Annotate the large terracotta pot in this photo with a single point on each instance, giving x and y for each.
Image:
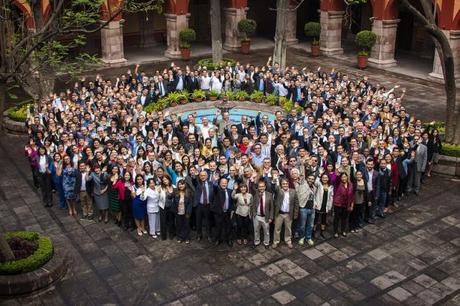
(185, 52)
(362, 61)
(212, 98)
(315, 50)
(245, 46)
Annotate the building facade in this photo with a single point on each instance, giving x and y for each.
(397, 30)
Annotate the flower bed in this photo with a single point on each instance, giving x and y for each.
(41, 255)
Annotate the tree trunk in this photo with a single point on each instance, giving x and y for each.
(279, 53)
(3, 88)
(216, 31)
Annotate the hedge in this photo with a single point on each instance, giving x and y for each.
(40, 257)
(450, 150)
(210, 65)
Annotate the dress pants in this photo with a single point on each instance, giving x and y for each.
(340, 218)
(259, 222)
(183, 227)
(86, 204)
(202, 219)
(242, 226)
(223, 227)
(46, 188)
(279, 221)
(154, 223)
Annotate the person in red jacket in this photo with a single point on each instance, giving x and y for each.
(343, 204)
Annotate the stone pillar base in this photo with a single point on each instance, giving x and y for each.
(291, 26)
(454, 41)
(382, 63)
(383, 53)
(331, 32)
(112, 44)
(114, 63)
(232, 35)
(292, 41)
(174, 24)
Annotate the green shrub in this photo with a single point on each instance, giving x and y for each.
(186, 36)
(450, 150)
(198, 94)
(271, 99)
(41, 256)
(213, 93)
(241, 95)
(257, 96)
(19, 112)
(183, 95)
(286, 104)
(313, 29)
(161, 104)
(231, 95)
(209, 64)
(365, 40)
(248, 27)
(437, 125)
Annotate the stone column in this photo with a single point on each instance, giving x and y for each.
(232, 36)
(291, 26)
(383, 52)
(112, 43)
(174, 24)
(331, 32)
(454, 40)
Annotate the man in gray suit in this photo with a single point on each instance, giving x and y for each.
(286, 210)
(262, 212)
(419, 157)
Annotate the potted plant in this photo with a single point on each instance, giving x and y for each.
(228, 95)
(313, 29)
(183, 97)
(198, 95)
(213, 95)
(247, 27)
(241, 95)
(271, 99)
(365, 40)
(173, 98)
(257, 96)
(186, 36)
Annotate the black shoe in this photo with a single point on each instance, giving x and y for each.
(217, 242)
(230, 243)
(199, 238)
(266, 247)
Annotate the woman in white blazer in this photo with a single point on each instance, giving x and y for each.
(152, 195)
(322, 202)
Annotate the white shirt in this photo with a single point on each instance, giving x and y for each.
(205, 82)
(153, 200)
(42, 164)
(264, 204)
(285, 205)
(369, 181)
(83, 181)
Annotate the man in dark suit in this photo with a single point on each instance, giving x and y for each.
(371, 178)
(203, 198)
(223, 207)
(262, 210)
(286, 209)
(191, 82)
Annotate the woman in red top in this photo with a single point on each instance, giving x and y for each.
(343, 204)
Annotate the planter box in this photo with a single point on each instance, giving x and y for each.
(448, 165)
(13, 127)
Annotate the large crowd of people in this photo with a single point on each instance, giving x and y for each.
(345, 155)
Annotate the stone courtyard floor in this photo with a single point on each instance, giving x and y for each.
(411, 258)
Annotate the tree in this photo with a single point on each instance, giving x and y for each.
(216, 31)
(279, 52)
(37, 47)
(427, 17)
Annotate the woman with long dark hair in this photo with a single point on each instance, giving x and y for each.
(153, 209)
(139, 204)
(100, 180)
(183, 210)
(69, 178)
(343, 204)
(126, 207)
(323, 203)
(167, 215)
(244, 203)
(360, 200)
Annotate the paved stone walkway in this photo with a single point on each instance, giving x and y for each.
(410, 258)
